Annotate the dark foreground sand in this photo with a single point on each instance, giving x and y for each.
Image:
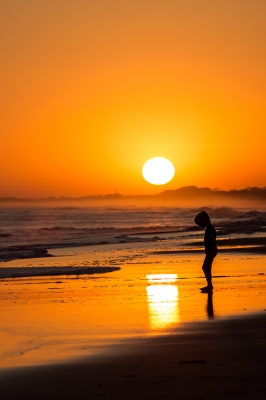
(217, 359)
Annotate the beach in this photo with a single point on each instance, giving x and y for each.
(225, 359)
(123, 315)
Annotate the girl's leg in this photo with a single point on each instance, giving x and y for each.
(207, 269)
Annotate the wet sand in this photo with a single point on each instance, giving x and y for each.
(144, 330)
(50, 319)
(223, 359)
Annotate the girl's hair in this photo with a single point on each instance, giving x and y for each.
(202, 216)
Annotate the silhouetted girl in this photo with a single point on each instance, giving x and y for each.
(203, 221)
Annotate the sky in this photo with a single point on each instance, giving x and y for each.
(92, 89)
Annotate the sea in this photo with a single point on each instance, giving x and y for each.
(36, 229)
(25, 225)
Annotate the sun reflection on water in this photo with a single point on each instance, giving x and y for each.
(162, 293)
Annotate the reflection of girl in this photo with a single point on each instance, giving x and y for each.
(203, 221)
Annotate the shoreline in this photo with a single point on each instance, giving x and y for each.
(232, 245)
(131, 332)
(36, 272)
(49, 319)
(24, 252)
(224, 358)
(249, 249)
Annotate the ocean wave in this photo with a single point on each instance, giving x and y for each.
(46, 226)
(115, 230)
(225, 212)
(10, 273)
(72, 228)
(253, 214)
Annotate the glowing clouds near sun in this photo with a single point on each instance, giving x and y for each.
(158, 171)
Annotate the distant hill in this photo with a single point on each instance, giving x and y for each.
(251, 194)
(185, 196)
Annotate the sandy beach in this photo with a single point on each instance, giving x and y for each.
(49, 319)
(139, 331)
(223, 359)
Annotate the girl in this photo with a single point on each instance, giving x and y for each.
(203, 221)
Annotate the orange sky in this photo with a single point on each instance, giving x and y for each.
(93, 89)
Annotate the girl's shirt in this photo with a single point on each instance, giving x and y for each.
(210, 240)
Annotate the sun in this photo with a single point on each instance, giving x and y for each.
(158, 171)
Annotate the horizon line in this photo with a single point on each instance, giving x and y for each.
(248, 189)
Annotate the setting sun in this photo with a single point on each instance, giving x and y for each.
(158, 171)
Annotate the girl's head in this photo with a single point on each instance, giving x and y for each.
(202, 219)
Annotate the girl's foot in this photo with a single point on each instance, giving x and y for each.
(207, 289)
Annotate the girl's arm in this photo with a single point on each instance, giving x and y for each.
(214, 246)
